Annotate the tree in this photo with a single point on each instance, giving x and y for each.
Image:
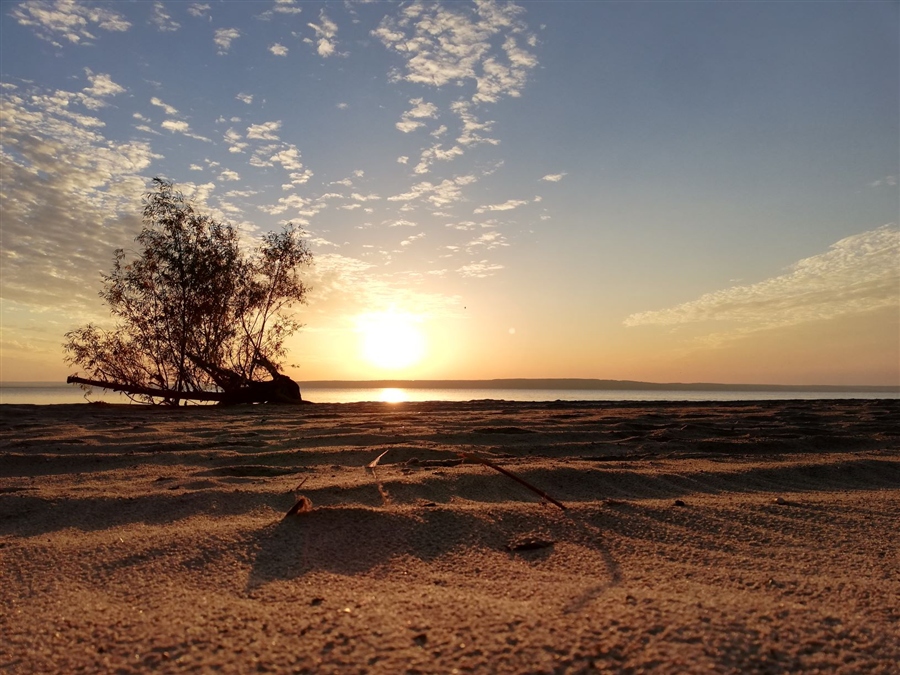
(195, 312)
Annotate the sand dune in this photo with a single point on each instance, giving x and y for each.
(724, 537)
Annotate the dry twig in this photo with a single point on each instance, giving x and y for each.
(385, 497)
(496, 467)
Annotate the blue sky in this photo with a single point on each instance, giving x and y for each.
(663, 191)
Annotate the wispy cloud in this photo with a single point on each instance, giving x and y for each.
(224, 37)
(442, 194)
(67, 19)
(326, 31)
(857, 274)
(488, 241)
(479, 269)
(436, 153)
(412, 238)
(198, 9)
(176, 125)
(162, 19)
(554, 177)
(890, 181)
(421, 109)
(485, 46)
(472, 129)
(265, 131)
(170, 110)
(62, 172)
(182, 127)
(281, 7)
(505, 206)
(278, 49)
(101, 86)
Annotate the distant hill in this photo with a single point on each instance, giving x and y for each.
(586, 384)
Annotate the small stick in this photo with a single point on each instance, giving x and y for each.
(496, 467)
(385, 497)
(374, 462)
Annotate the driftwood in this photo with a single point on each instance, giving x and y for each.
(235, 389)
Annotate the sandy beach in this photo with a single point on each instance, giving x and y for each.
(756, 537)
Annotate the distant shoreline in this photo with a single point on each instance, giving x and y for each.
(586, 384)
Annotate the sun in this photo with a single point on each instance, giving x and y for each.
(391, 340)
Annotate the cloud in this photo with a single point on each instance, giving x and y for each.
(471, 127)
(198, 9)
(228, 174)
(278, 49)
(442, 194)
(344, 286)
(554, 177)
(182, 127)
(409, 240)
(857, 274)
(245, 98)
(488, 240)
(235, 141)
(162, 20)
(288, 157)
(403, 159)
(484, 46)
(505, 206)
(176, 125)
(295, 202)
(890, 181)
(420, 110)
(480, 269)
(67, 19)
(265, 131)
(285, 154)
(70, 195)
(281, 7)
(343, 106)
(326, 31)
(102, 85)
(298, 178)
(224, 37)
(165, 106)
(436, 153)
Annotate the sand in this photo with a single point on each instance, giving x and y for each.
(699, 537)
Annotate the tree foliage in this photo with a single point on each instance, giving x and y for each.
(192, 307)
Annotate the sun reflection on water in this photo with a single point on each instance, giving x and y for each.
(392, 395)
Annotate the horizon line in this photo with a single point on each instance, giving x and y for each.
(560, 383)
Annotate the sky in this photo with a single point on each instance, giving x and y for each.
(659, 191)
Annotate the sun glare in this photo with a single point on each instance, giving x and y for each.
(392, 395)
(391, 340)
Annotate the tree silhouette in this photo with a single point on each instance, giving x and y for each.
(195, 312)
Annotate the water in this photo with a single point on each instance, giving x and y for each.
(44, 393)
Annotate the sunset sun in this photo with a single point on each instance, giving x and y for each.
(391, 340)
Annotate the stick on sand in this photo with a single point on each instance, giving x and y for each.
(496, 467)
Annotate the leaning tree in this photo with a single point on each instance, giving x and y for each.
(197, 315)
